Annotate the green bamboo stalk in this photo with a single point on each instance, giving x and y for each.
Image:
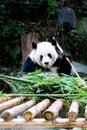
(15, 78)
(44, 95)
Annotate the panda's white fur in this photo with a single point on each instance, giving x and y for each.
(45, 57)
(48, 53)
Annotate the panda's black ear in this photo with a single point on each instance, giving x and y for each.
(53, 42)
(34, 45)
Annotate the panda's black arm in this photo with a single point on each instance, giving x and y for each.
(63, 65)
(66, 67)
(66, 54)
(28, 65)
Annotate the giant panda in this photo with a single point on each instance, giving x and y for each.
(45, 57)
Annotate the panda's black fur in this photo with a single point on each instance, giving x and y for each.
(61, 65)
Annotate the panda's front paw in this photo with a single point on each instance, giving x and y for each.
(66, 54)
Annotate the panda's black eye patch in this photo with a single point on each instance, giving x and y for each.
(41, 57)
(49, 55)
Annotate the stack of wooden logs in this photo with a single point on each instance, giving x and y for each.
(21, 112)
(29, 108)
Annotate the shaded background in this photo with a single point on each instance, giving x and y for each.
(40, 16)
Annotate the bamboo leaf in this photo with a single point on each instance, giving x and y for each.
(67, 87)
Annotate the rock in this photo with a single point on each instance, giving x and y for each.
(79, 67)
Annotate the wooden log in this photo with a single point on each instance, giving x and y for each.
(4, 99)
(73, 111)
(11, 103)
(53, 111)
(40, 123)
(35, 110)
(17, 110)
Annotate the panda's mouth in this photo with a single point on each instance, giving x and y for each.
(46, 65)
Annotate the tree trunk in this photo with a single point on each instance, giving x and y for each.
(26, 41)
(86, 112)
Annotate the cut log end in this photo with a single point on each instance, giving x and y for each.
(27, 115)
(6, 116)
(72, 116)
(48, 115)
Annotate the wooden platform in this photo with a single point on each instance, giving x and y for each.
(20, 122)
(42, 123)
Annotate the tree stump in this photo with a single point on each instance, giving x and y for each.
(26, 41)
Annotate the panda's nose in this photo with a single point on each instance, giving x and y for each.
(46, 63)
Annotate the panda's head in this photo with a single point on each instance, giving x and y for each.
(44, 53)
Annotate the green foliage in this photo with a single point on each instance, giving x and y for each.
(52, 5)
(21, 17)
(11, 40)
(2, 9)
(67, 87)
(82, 26)
(15, 20)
